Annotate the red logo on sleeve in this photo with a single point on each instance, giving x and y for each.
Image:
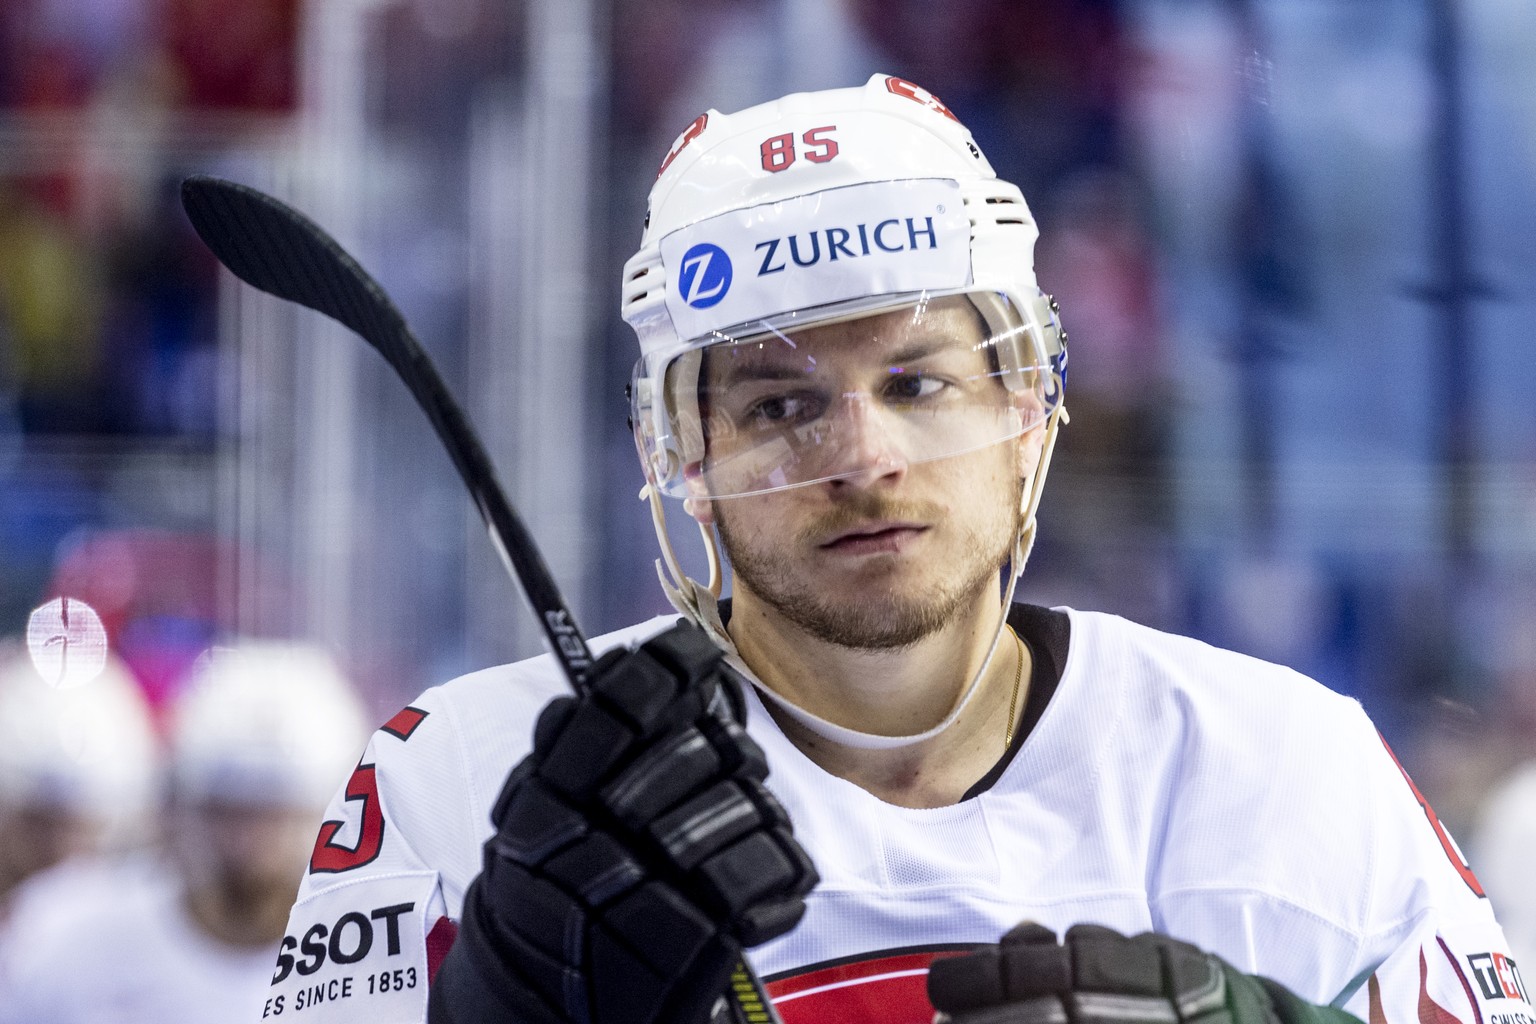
(1498, 977)
(405, 722)
(330, 856)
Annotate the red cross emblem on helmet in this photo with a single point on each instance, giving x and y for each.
(916, 93)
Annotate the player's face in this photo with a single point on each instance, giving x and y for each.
(891, 550)
(244, 849)
(34, 837)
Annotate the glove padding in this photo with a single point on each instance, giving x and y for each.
(1099, 976)
(636, 852)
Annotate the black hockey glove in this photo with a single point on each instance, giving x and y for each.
(1098, 976)
(636, 852)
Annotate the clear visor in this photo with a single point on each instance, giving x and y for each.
(780, 404)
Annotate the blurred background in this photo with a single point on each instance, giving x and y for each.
(1293, 242)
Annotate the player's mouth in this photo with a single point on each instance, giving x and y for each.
(875, 538)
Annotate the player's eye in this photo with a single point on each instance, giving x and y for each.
(782, 410)
(905, 386)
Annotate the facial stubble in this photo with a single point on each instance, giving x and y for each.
(886, 615)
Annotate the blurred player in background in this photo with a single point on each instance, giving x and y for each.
(77, 768)
(1504, 849)
(188, 933)
(853, 382)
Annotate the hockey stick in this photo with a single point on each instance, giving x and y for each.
(271, 246)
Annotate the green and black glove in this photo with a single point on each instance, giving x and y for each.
(1095, 975)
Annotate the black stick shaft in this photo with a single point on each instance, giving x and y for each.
(509, 536)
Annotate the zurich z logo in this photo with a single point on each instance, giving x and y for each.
(706, 275)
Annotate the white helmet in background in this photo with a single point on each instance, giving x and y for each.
(87, 749)
(264, 723)
(1501, 848)
(814, 209)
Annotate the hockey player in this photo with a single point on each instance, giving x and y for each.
(77, 767)
(256, 743)
(851, 380)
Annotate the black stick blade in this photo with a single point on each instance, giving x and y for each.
(271, 246)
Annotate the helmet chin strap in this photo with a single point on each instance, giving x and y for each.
(700, 604)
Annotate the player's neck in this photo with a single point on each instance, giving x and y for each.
(902, 692)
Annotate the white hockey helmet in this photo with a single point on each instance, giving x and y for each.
(820, 209)
(814, 209)
(88, 749)
(264, 722)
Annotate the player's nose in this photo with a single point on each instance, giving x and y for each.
(865, 449)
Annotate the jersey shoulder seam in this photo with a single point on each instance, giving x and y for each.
(1155, 900)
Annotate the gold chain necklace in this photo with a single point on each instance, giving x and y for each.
(1018, 677)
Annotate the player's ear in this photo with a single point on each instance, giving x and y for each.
(1030, 443)
(701, 508)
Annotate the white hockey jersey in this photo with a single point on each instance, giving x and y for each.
(1168, 785)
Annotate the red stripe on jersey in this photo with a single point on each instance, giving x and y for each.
(892, 989)
(405, 722)
(1466, 986)
(1431, 1012)
(1373, 989)
(439, 942)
